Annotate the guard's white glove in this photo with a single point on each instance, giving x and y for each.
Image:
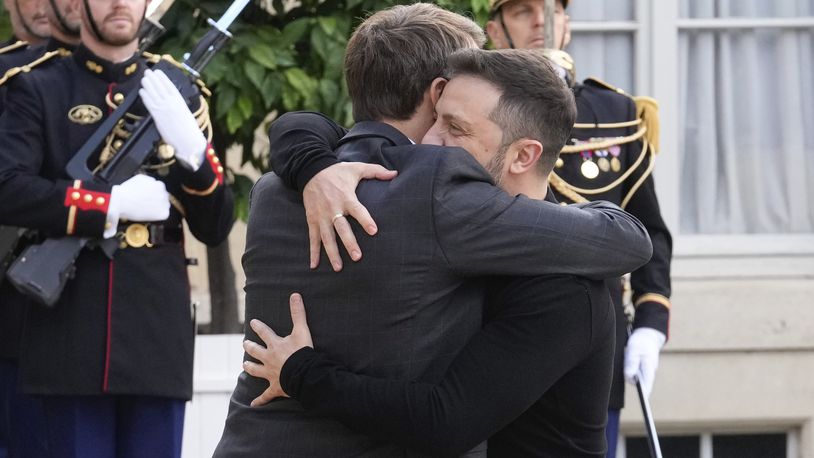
(642, 357)
(173, 119)
(141, 198)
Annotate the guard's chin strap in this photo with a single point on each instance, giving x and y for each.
(27, 27)
(93, 27)
(502, 24)
(63, 24)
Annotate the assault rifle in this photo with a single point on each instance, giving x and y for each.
(42, 270)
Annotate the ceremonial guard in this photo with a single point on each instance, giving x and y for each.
(610, 157)
(112, 359)
(30, 27)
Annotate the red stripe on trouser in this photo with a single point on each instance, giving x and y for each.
(107, 343)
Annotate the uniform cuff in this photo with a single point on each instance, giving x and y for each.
(87, 205)
(207, 178)
(654, 315)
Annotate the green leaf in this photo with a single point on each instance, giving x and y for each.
(320, 42)
(285, 58)
(294, 30)
(224, 99)
(234, 119)
(244, 103)
(328, 91)
(255, 73)
(264, 55)
(300, 81)
(327, 24)
(272, 86)
(291, 100)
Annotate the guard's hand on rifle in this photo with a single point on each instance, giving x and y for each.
(140, 198)
(172, 117)
(642, 357)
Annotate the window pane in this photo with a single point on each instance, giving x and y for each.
(748, 445)
(671, 446)
(607, 56)
(706, 9)
(602, 10)
(745, 130)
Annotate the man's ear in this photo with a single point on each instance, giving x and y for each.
(566, 32)
(528, 152)
(495, 32)
(436, 88)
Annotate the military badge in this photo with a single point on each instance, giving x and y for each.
(85, 114)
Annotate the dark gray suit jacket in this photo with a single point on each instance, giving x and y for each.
(411, 304)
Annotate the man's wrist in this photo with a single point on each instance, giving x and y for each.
(294, 370)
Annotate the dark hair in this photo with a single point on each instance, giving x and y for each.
(534, 102)
(395, 54)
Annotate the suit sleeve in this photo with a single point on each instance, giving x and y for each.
(301, 144)
(499, 374)
(56, 207)
(484, 231)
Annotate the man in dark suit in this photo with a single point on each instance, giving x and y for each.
(610, 156)
(536, 379)
(407, 309)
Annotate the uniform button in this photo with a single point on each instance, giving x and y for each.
(87, 198)
(211, 151)
(100, 201)
(559, 162)
(118, 98)
(215, 160)
(220, 169)
(75, 195)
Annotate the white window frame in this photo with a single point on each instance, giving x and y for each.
(656, 28)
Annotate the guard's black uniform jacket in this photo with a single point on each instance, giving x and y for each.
(121, 326)
(607, 132)
(12, 303)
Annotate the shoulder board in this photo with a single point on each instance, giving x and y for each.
(596, 82)
(30, 66)
(153, 59)
(13, 46)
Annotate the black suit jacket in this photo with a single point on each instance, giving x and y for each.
(407, 308)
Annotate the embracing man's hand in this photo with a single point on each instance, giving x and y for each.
(328, 198)
(277, 350)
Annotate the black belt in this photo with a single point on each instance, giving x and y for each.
(137, 235)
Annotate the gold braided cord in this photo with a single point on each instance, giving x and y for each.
(16, 45)
(570, 149)
(644, 176)
(609, 125)
(564, 188)
(178, 205)
(27, 67)
(615, 182)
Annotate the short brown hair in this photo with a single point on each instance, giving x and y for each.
(395, 54)
(534, 102)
